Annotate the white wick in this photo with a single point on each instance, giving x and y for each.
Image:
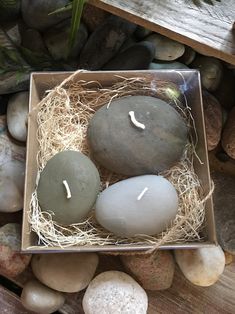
(135, 122)
(142, 194)
(65, 183)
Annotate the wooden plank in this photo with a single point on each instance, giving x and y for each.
(206, 28)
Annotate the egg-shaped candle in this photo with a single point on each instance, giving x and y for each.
(139, 205)
(68, 187)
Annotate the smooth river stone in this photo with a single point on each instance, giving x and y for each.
(118, 145)
(9, 150)
(211, 70)
(83, 180)
(202, 266)
(166, 48)
(213, 116)
(140, 205)
(136, 57)
(167, 65)
(224, 200)
(12, 175)
(17, 114)
(114, 292)
(12, 262)
(66, 272)
(104, 43)
(40, 299)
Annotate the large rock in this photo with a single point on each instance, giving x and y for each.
(166, 48)
(153, 272)
(213, 120)
(121, 146)
(211, 70)
(136, 57)
(57, 40)
(105, 42)
(114, 292)
(202, 266)
(12, 262)
(224, 200)
(67, 272)
(40, 299)
(228, 135)
(122, 213)
(36, 14)
(17, 115)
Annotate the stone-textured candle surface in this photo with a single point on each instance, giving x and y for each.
(68, 186)
(137, 135)
(140, 205)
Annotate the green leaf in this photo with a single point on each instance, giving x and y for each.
(66, 8)
(77, 8)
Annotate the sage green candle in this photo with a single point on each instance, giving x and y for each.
(68, 187)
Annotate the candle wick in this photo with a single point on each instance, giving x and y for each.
(135, 122)
(65, 183)
(142, 194)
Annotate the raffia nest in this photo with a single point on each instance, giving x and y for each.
(63, 117)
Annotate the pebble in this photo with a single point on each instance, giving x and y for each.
(202, 266)
(17, 115)
(36, 14)
(228, 135)
(142, 32)
(188, 56)
(32, 40)
(224, 200)
(225, 92)
(166, 48)
(40, 299)
(140, 205)
(213, 120)
(83, 182)
(104, 43)
(136, 57)
(93, 17)
(114, 292)
(66, 272)
(9, 150)
(12, 262)
(12, 176)
(118, 145)
(211, 70)
(57, 38)
(153, 272)
(167, 65)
